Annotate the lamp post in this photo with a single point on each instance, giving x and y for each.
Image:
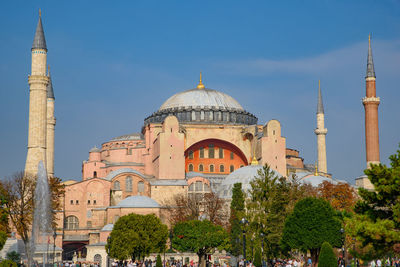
(343, 243)
(243, 222)
(108, 250)
(262, 248)
(54, 246)
(354, 252)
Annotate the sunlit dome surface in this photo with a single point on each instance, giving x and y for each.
(138, 202)
(201, 98)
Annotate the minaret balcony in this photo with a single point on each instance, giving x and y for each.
(323, 131)
(371, 100)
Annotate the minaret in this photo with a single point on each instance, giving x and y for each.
(38, 82)
(371, 103)
(51, 123)
(321, 132)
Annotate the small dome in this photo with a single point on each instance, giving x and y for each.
(201, 98)
(107, 227)
(95, 149)
(138, 202)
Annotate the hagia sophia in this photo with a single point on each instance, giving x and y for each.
(199, 140)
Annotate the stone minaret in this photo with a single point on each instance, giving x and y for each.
(38, 82)
(371, 103)
(51, 122)
(321, 132)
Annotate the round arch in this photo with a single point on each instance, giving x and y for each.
(208, 155)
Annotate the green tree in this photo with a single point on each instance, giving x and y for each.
(200, 237)
(377, 220)
(14, 256)
(135, 236)
(312, 222)
(158, 261)
(327, 257)
(236, 214)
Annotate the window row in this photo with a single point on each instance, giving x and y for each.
(128, 185)
(199, 187)
(211, 168)
(90, 202)
(211, 153)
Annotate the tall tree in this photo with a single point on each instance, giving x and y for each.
(270, 199)
(312, 222)
(200, 237)
(183, 207)
(135, 236)
(377, 220)
(341, 196)
(236, 214)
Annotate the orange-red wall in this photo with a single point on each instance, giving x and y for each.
(238, 157)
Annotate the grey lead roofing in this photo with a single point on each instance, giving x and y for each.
(370, 62)
(320, 106)
(39, 42)
(50, 92)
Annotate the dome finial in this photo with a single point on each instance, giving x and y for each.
(200, 85)
(254, 161)
(316, 169)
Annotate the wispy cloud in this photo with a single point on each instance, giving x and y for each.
(337, 60)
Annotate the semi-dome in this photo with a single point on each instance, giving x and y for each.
(202, 98)
(138, 202)
(203, 105)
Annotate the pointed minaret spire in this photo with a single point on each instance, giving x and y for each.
(320, 105)
(50, 92)
(39, 42)
(370, 61)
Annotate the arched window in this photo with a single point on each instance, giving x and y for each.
(221, 168)
(97, 259)
(190, 167)
(231, 168)
(117, 185)
(190, 154)
(211, 151)
(202, 152)
(140, 187)
(71, 222)
(221, 153)
(211, 168)
(94, 174)
(232, 155)
(191, 187)
(201, 168)
(128, 184)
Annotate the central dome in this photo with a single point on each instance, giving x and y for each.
(203, 105)
(201, 98)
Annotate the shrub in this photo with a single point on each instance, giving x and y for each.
(8, 263)
(257, 258)
(158, 262)
(327, 258)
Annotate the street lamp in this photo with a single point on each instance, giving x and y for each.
(54, 245)
(354, 252)
(262, 248)
(108, 250)
(343, 243)
(243, 222)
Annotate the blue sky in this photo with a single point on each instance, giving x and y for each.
(115, 62)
